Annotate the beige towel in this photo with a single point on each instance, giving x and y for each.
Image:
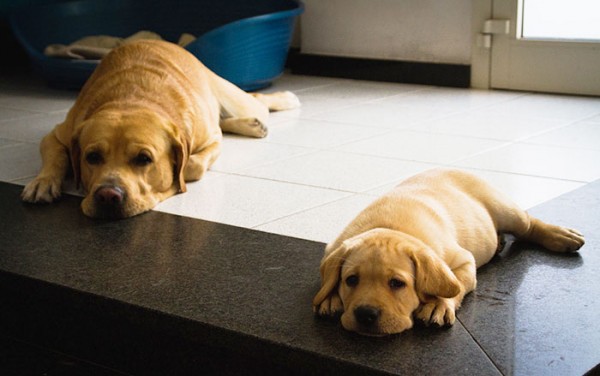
(97, 46)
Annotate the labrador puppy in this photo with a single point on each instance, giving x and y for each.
(149, 119)
(415, 251)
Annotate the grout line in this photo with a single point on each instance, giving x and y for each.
(290, 182)
(351, 194)
(15, 143)
(522, 174)
(239, 171)
(483, 350)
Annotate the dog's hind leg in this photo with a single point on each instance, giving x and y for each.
(508, 217)
(279, 101)
(523, 226)
(252, 125)
(552, 237)
(247, 114)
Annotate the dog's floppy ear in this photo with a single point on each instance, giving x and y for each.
(433, 276)
(181, 150)
(331, 266)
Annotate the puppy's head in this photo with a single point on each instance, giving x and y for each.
(127, 162)
(381, 277)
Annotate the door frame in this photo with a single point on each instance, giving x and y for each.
(481, 57)
(493, 55)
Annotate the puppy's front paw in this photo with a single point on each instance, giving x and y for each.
(331, 306)
(42, 189)
(438, 312)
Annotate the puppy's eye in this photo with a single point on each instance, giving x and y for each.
(396, 284)
(93, 158)
(352, 281)
(142, 160)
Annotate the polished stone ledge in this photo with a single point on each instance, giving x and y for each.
(160, 293)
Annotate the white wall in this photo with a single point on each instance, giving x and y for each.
(436, 31)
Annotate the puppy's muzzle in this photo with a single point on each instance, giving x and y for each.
(367, 316)
(109, 200)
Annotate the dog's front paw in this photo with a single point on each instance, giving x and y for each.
(439, 312)
(331, 306)
(42, 189)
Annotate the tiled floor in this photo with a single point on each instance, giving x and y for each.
(349, 142)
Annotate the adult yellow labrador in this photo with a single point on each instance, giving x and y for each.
(415, 251)
(149, 119)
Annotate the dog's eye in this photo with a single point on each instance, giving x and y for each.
(142, 160)
(93, 158)
(396, 284)
(352, 281)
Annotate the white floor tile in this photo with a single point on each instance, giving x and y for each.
(323, 223)
(345, 94)
(452, 100)
(19, 161)
(381, 115)
(585, 135)
(354, 90)
(239, 152)
(243, 201)
(6, 142)
(40, 102)
(11, 114)
(485, 124)
(422, 147)
(298, 83)
(559, 107)
(349, 142)
(311, 105)
(527, 191)
(539, 160)
(319, 134)
(32, 128)
(337, 170)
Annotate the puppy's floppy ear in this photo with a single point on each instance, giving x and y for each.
(433, 276)
(181, 148)
(331, 266)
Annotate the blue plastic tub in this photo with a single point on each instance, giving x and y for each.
(243, 41)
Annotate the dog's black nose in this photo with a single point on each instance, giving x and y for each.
(109, 196)
(367, 315)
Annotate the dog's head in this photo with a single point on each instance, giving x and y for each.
(127, 162)
(381, 277)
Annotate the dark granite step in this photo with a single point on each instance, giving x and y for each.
(163, 294)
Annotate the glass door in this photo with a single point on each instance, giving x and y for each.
(551, 46)
(560, 20)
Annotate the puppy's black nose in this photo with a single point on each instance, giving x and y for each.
(109, 196)
(367, 315)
